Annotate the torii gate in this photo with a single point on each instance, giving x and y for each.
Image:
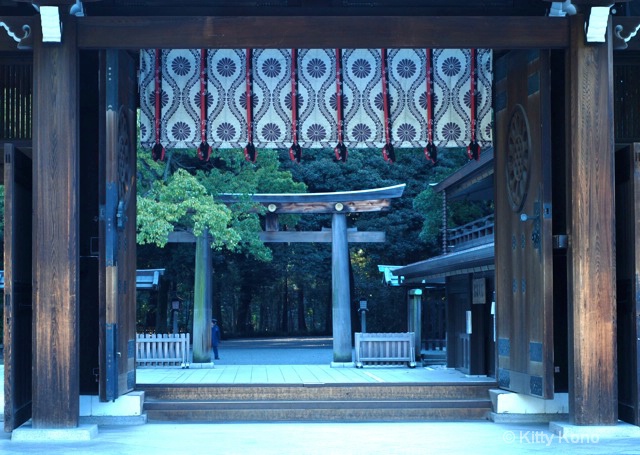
(338, 204)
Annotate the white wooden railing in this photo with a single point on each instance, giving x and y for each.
(162, 349)
(385, 349)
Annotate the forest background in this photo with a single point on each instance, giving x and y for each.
(285, 288)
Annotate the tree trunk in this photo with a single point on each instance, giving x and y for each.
(302, 323)
(244, 311)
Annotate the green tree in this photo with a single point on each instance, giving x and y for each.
(181, 194)
(428, 203)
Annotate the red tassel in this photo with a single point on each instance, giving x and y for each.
(473, 151)
(295, 152)
(388, 153)
(431, 152)
(250, 153)
(341, 152)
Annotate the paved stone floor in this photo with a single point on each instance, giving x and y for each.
(332, 438)
(253, 361)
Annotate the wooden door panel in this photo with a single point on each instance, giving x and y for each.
(524, 286)
(18, 297)
(118, 230)
(627, 274)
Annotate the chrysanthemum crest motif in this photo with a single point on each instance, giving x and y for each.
(226, 67)
(406, 68)
(180, 131)
(361, 132)
(226, 131)
(316, 132)
(451, 66)
(271, 67)
(361, 68)
(316, 68)
(271, 132)
(181, 66)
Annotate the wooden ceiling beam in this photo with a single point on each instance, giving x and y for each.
(496, 32)
(224, 32)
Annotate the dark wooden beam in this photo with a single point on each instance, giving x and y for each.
(55, 2)
(591, 256)
(495, 32)
(623, 27)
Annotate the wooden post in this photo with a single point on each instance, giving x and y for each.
(592, 277)
(56, 230)
(202, 298)
(414, 313)
(342, 352)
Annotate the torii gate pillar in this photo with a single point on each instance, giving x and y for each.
(342, 351)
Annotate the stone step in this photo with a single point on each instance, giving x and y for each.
(318, 402)
(362, 411)
(312, 391)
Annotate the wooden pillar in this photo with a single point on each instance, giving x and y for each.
(592, 277)
(342, 352)
(55, 230)
(202, 296)
(414, 313)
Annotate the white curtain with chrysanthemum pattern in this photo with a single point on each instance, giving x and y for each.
(362, 103)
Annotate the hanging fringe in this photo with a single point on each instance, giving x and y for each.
(204, 149)
(250, 153)
(430, 151)
(340, 150)
(388, 152)
(158, 151)
(295, 151)
(473, 150)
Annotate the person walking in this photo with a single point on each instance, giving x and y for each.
(215, 338)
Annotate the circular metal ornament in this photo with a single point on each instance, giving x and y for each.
(518, 166)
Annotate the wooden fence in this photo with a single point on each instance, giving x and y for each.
(162, 349)
(385, 349)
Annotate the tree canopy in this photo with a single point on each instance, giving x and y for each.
(185, 199)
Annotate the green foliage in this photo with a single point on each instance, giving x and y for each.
(428, 203)
(184, 203)
(180, 195)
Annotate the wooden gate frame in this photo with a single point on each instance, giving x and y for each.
(593, 388)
